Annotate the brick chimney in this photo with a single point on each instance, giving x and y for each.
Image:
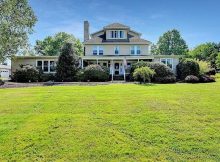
(86, 31)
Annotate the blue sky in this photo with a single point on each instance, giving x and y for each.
(197, 20)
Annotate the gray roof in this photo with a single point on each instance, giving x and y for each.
(116, 26)
(135, 40)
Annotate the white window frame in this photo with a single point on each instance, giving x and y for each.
(116, 34)
(48, 66)
(98, 48)
(135, 48)
(167, 61)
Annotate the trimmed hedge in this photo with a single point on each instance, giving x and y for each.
(191, 79)
(187, 67)
(94, 73)
(26, 74)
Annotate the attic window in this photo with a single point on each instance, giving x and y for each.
(116, 34)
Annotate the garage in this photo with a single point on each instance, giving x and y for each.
(5, 72)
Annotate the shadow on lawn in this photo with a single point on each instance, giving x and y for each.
(146, 84)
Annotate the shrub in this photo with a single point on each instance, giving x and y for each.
(26, 74)
(47, 77)
(211, 71)
(160, 69)
(191, 79)
(95, 73)
(1, 82)
(143, 74)
(206, 79)
(167, 79)
(138, 65)
(204, 67)
(67, 65)
(187, 67)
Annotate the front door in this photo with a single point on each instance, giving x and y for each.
(116, 68)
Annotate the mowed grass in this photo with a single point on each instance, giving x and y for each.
(118, 122)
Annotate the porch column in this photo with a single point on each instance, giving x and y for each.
(112, 66)
(138, 60)
(97, 61)
(82, 64)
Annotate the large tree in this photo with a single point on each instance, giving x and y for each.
(218, 61)
(67, 64)
(16, 22)
(206, 52)
(51, 45)
(171, 43)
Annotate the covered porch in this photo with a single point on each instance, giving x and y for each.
(118, 65)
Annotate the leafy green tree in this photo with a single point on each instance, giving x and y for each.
(67, 65)
(143, 74)
(154, 50)
(218, 61)
(206, 52)
(51, 45)
(171, 43)
(16, 22)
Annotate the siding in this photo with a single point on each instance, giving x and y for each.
(15, 64)
(109, 49)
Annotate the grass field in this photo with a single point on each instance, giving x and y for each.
(118, 122)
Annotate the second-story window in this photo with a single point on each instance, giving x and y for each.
(116, 50)
(117, 34)
(98, 50)
(135, 50)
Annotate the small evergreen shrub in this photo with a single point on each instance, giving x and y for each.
(26, 74)
(187, 67)
(143, 74)
(167, 79)
(191, 79)
(1, 82)
(206, 79)
(94, 73)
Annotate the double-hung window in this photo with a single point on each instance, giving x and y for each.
(116, 50)
(167, 61)
(46, 66)
(98, 50)
(135, 50)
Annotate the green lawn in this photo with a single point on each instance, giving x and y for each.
(118, 122)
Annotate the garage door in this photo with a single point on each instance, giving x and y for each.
(4, 74)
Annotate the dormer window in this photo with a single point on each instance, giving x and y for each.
(117, 34)
(98, 50)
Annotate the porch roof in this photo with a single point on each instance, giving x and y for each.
(102, 57)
